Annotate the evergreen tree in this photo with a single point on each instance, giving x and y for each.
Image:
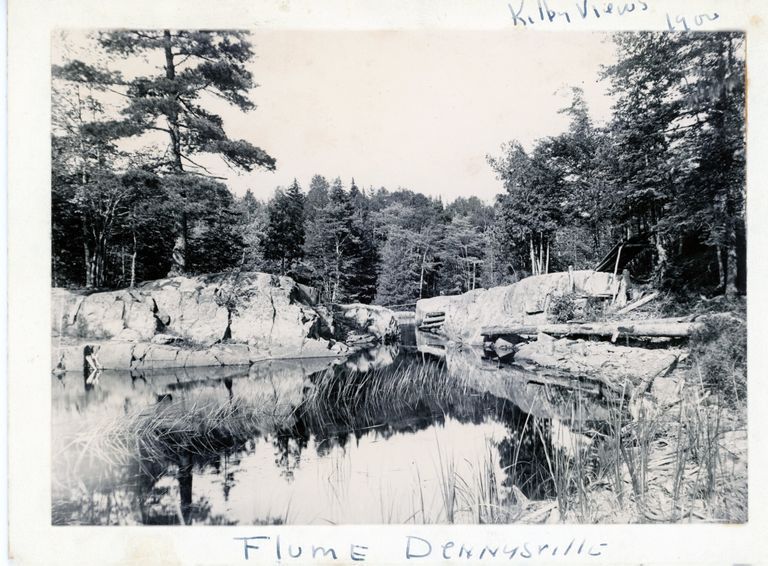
(461, 256)
(317, 196)
(363, 251)
(400, 270)
(196, 64)
(529, 212)
(331, 246)
(284, 239)
(255, 219)
(678, 136)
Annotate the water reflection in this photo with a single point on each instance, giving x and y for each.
(393, 434)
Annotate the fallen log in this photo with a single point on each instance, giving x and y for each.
(612, 329)
(638, 303)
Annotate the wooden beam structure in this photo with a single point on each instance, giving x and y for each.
(667, 328)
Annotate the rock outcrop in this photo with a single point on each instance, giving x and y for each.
(218, 319)
(617, 367)
(523, 302)
(366, 323)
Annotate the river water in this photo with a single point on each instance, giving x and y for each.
(412, 432)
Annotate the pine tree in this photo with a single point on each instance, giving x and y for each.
(331, 246)
(398, 282)
(317, 196)
(284, 239)
(363, 252)
(255, 219)
(196, 64)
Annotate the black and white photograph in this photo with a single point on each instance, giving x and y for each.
(397, 277)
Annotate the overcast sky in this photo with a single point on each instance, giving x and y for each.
(413, 109)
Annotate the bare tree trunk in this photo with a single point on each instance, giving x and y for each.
(421, 276)
(721, 268)
(541, 253)
(546, 268)
(97, 263)
(133, 262)
(87, 258)
(533, 256)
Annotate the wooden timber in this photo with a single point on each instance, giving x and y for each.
(638, 303)
(651, 328)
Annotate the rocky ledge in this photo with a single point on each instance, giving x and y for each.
(461, 317)
(207, 320)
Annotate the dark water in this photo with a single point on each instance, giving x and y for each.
(400, 433)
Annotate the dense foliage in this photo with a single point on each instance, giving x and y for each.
(669, 165)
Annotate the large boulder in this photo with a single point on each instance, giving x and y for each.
(523, 302)
(274, 314)
(256, 315)
(376, 322)
(102, 315)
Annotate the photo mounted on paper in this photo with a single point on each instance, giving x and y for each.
(414, 277)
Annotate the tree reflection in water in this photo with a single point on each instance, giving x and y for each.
(143, 470)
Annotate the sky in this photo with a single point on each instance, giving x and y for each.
(412, 109)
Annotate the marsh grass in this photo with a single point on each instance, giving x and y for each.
(645, 464)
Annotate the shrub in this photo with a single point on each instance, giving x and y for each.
(562, 308)
(593, 309)
(719, 353)
(570, 306)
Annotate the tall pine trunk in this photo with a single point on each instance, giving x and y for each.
(179, 265)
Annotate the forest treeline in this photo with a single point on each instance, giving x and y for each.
(668, 166)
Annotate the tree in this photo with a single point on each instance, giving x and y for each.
(363, 252)
(529, 212)
(196, 63)
(579, 156)
(142, 234)
(410, 251)
(331, 245)
(86, 190)
(284, 239)
(254, 217)
(461, 254)
(317, 196)
(400, 273)
(499, 263)
(678, 131)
